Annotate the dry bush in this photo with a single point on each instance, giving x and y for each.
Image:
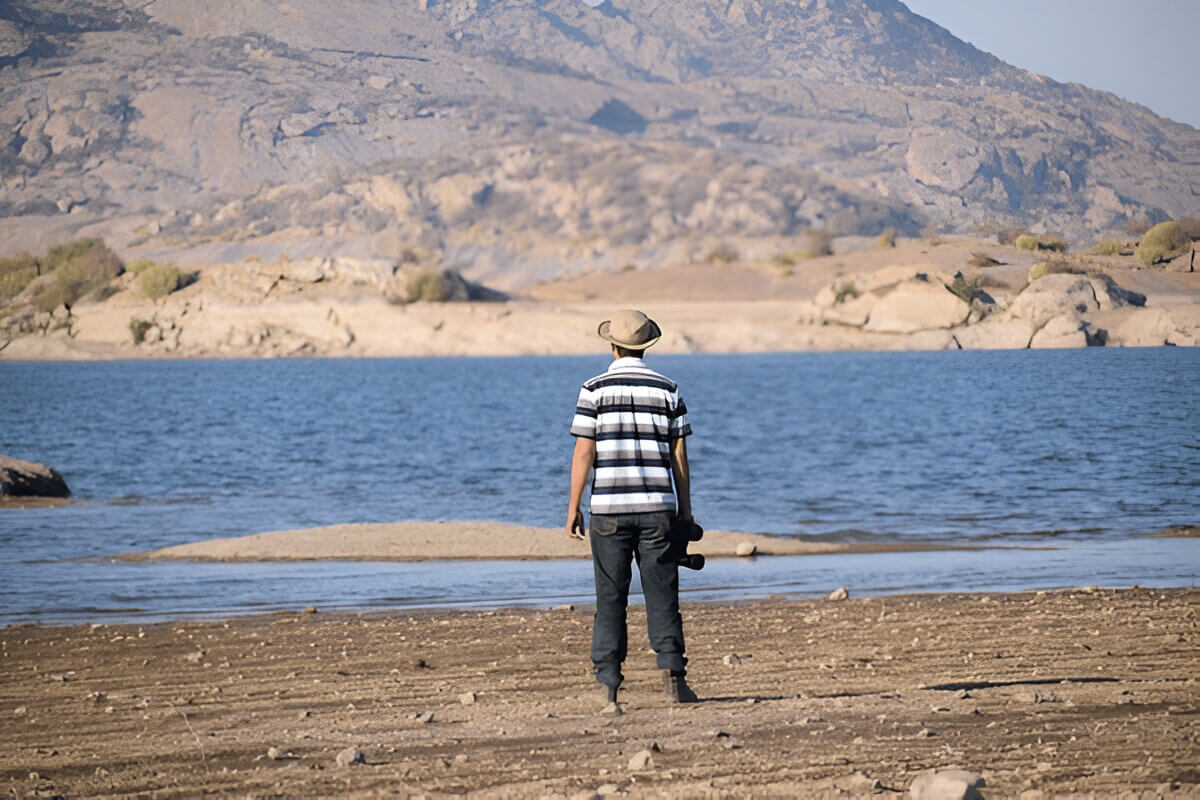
(79, 267)
(1163, 242)
(722, 254)
(159, 280)
(1050, 242)
(982, 260)
(15, 274)
(1108, 247)
(138, 329)
(887, 239)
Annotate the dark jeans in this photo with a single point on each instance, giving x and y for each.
(616, 539)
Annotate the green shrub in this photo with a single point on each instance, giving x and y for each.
(138, 328)
(138, 266)
(1163, 242)
(982, 260)
(1037, 271)
(887, 239)
(15, 274)
(79, 267)
(430, 287)
(159, 280)
(1027, 241)
(722, 254)
(844, 291)
(1107, 247)
(784, 260)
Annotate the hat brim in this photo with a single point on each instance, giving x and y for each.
(605, 334)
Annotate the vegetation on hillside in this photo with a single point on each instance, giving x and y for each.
(1163, 242)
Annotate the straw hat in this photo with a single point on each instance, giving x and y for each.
(632, 330)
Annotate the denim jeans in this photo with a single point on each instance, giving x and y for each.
(616, 540)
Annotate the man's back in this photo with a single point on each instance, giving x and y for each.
(633, 413)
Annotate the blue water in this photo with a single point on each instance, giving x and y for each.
(1075, 449)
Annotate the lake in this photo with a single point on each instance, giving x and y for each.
(1081, 450)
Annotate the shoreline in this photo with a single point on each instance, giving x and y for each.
(1073, 691)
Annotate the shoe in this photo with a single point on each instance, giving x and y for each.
(676, 687)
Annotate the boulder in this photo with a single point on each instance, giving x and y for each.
(853, 311)
(840, 593)
(350, 756)
(307, 270)
(375, 271)
(641, 760)
(947, 784)
(916, 305)
(995, 333)
(29, 479)
(1053, 295)
(1062, 332)
(1141, 327)
(745, 549)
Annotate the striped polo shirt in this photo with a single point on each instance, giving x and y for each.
(634, 414)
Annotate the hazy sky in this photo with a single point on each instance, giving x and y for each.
(1142, 50)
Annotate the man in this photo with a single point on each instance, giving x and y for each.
(630, 425)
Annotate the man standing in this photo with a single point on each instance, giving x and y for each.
(630, 426)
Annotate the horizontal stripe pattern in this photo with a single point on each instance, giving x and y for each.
(633, 413)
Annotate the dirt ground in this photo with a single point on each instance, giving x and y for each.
(1081, 691)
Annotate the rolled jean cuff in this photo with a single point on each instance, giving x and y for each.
(672, 661)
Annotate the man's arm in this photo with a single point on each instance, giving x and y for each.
(581, 467)
(683, 486)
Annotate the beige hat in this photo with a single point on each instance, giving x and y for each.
(632, 330)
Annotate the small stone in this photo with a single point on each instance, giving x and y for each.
(194, 658)
(304, 714)
(274, 753)
(427, 717)
(467, 698)
(720, 734)
(65, 204)
(19, 710)
(349, 756)
(732, 660)
(925, 733)
(644, 759)
(607, 788)
(840, 593)
(33, 776)
(947, 784)
(1044, 766)
(564, 607)
(462, 758)
(745, 549)
(939, 709)
(309, 610)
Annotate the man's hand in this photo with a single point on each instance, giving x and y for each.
(576, 527)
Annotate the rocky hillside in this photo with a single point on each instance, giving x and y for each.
(518, 139)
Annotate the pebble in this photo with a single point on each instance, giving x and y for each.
(349, 756)
(467, 698)
(427, 717)
(745, 549)
(194, 658)
(643, 759)
(840, 593)
(19, 710)
(309, 610)
(564, 607)
(731, 659)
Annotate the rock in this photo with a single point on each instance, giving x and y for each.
(300, 124)
(350, 756)
(379, 82)
(642, 760)
(20, 711)
(745, 549)
(852, 311)
(29, 479)
(1061, 332)
(308, 610)
(995, 333)
(427, 717)
(947, 784)
(307, 270)
(1033, 794)
(65, 204)
(731, 660)
(564, 607)
(274, 753)
(467, 698)
(916, 305)
(1140, 327)
(1051, 296)
(840, 593)
(194, 657)
(153, 335)
(857, 782)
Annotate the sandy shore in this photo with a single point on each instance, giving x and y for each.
(420, 541)
(1078, 691)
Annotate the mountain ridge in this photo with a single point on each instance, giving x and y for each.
(483, 133)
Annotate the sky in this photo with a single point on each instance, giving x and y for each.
(1141, 50)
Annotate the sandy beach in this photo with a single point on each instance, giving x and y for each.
(1088, 692)
(487, 540)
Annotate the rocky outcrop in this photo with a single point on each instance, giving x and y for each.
(29, 479)
(917, 305)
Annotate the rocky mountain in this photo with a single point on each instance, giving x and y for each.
(518, 139)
